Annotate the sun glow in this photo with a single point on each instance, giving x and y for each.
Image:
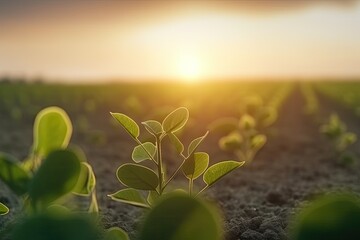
(189, 68)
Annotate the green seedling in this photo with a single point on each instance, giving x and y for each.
(154, 181)
(331, 217)
(336, 131)
(180, 216)
(242, 136)
(51, 171)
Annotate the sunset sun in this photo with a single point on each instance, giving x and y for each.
(189, 68)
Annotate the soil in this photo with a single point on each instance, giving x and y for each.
(258, 200)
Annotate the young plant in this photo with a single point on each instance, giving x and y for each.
(137, 177)
(243, 137)
(46, 177)
(51, 171)
(336, 131)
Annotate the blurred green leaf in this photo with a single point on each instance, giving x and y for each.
(219, 170)
(152, 197)
(130, 196)
(116, 233)
(153, 127)
(137, 176)
(247, 122)
(175, 120)
(331, 217)
(52, 130)
(57, 176)
(3, 209)
(231, 142)
(176, 142)
(128, 124)
(86, 181)
(195, 143)
(181, 217)
(139, 154)
(258, 141)
(55, 226)
(13, 175)
(195, 165)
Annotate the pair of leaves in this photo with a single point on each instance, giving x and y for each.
(172, 123)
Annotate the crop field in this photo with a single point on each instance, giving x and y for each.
(272, 148)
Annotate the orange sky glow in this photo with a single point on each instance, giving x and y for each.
(186, 40)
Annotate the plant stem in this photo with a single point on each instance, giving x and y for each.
(190, 186)
(206, 187)
(160, 167)
(176, 171)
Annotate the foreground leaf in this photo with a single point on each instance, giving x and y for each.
(128, 124)
(179, 217)
(52, 130)
(13, 174)
(219, 170)
(55, 226)
(116, 233)
(56, 177)
(137, 176)
(139, 154)
(153, 127)
(3, 209)
(195, 143)
(175, 120)
(195, 165)
(130, 196)
(330, 217)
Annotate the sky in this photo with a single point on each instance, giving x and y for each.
(180, 40)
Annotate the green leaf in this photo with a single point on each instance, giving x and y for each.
(231, 142)
(195, 143)
(52, 130)
(333, 216)
(195, 165)
(137, 176)
(153, 127)
(128, 124)
(3, 209)
(247, 122)
(55, 226)
(175, 120)
(116, 233)
(258, 141)
(86, 182)
(176, 142)
(13, 174)
(139, 154)
(56, 177)
(130, 196)
(219, 170)
(152, 197)
(179, 216)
